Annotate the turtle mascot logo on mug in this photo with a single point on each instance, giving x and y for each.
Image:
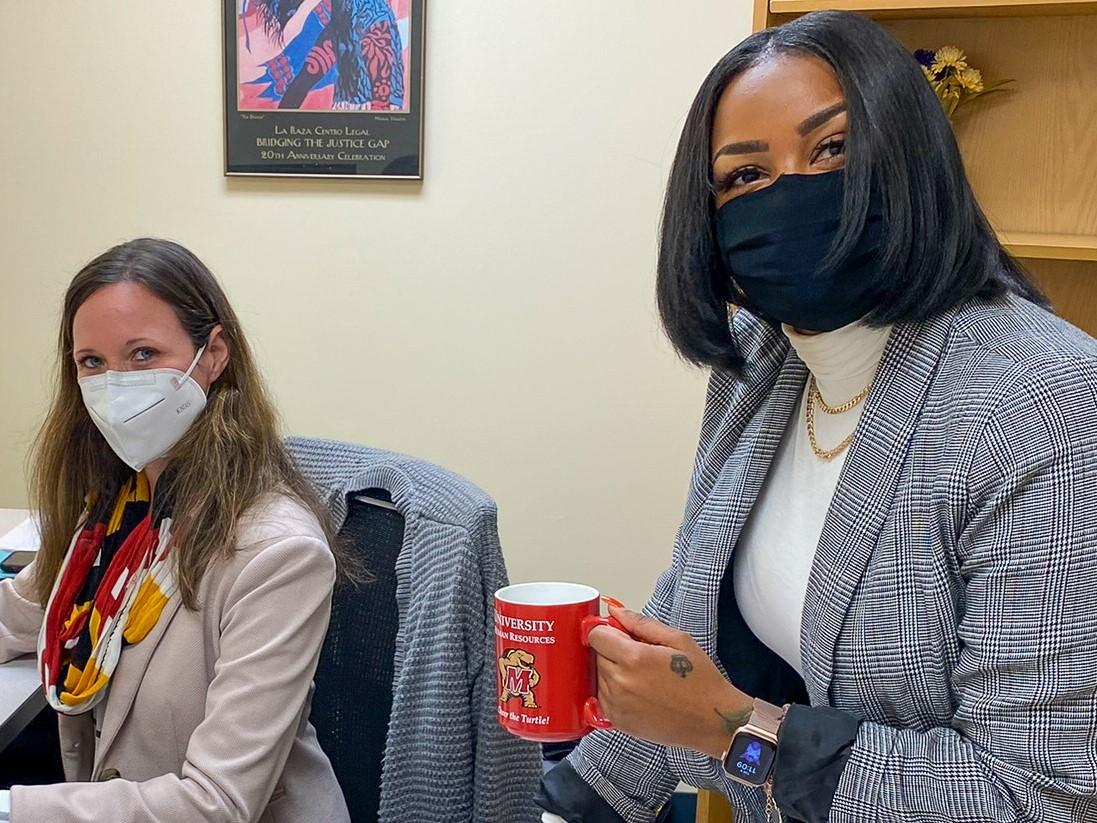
(518, 678)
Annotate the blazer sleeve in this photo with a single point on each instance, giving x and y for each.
(272, 628)
(1020, 746)
(20, 615)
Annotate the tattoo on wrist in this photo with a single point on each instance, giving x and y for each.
(733, 721)
(681, 665)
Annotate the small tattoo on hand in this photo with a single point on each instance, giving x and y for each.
(680, 665)
(734, 722)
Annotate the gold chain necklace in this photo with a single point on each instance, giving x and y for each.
(815, 396)
(845, 407)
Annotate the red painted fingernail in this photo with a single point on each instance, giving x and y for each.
(612, 601)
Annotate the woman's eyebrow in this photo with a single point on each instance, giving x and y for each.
(819, 118)
(742, 147)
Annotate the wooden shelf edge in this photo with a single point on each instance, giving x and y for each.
(938, 8)
(1050, 246)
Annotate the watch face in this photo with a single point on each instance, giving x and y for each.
(750, 758)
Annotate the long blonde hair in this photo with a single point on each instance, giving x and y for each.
(231, 457)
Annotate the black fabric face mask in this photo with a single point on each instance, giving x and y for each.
(774, 241)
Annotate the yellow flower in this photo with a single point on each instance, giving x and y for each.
(971, 80)
(930, 76)
(948, 57)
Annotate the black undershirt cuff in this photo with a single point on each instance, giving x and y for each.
(813, 749)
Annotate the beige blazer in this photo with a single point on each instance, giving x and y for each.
(207, 717)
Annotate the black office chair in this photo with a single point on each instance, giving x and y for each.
(353, 698)
(33, 758)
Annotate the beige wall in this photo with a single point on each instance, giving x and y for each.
(498, 319)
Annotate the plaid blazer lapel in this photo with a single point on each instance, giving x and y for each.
(866, 491)
(725, 509)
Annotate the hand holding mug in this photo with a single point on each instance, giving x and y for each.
(655, 682)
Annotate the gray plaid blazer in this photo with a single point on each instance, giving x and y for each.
(447, 759)
(952, 606)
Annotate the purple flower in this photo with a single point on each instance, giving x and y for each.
(925, 57)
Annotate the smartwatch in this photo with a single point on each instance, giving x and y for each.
(750, 755)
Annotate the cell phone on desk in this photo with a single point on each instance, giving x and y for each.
(15, 562)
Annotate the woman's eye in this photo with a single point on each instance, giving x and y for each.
(144, 355)
(739, 178)
(91, 362)
(831, 149)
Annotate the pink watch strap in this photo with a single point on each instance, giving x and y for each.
(767, 716)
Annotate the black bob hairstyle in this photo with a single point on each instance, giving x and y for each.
(939, 250)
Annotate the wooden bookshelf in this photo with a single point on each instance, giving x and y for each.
(938, 8)
(1070, 288)
(712, 808)
(1051, 246)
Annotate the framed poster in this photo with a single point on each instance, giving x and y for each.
(324, 88)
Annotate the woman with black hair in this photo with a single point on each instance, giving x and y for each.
(881, 602)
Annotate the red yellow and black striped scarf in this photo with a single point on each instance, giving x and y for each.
(112, 587)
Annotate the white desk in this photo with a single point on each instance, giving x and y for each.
(10, 518)
(21, 697)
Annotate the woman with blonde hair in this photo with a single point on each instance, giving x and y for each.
(180, 598)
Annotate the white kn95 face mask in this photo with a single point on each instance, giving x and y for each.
(143, 414)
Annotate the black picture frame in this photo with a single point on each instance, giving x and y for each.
(320, 91)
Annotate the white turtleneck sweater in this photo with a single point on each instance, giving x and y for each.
(777, 547)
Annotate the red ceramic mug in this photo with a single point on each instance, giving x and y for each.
(547, 673)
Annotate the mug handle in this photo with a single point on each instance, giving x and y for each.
(592, 710)
(592, 715)
(591, 622)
